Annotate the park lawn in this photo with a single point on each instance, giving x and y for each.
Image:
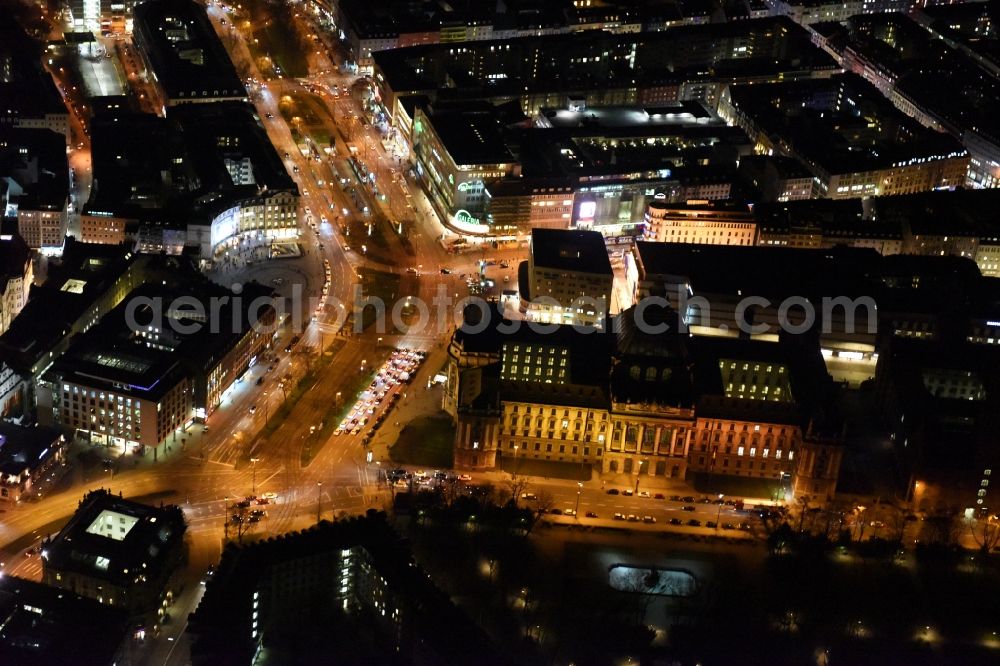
(427, 441)
(280, 40)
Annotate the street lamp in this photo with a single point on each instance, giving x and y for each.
(253, 466)
(579, 489)
(718, 514)
(319, 497)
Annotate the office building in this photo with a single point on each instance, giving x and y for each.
(632, 401)
(187, 59)
(585, 169)
(106, 16)
(456, 152)
(117, 395)
(569, 278)
(34, 185)
(939, 405)
(81, 286)
(162, 358)
(120, 553)
(201, 180)
(348, 590)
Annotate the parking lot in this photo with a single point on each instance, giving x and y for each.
(373, 405)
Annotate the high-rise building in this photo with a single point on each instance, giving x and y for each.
(569, 278)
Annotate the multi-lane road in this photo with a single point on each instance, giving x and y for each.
(240, 451)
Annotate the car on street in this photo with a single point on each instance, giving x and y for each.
(445, 271)
(711, 525)
(613, 491)
(529, 496)
(628, 492)
(632, 518)
(464, 477)
(569, 512)
(659, 496)
(619, 516)
(676, 521)
(591, 514)
(556, 512)
(648, 519)
(688, 507)
(694, 523)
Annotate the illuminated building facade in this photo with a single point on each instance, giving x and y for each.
(569, 278)
(699, 222)
(456, 152)
(632, 402)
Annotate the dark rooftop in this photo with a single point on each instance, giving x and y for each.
(570, 250)
(44, 625)
(114, 353)
(26, 88)
(14, 256)
(174, 169)
(34, 159)
(186, 55)
(771, 272)
(22, 447)
(472, 134)
(552, 62)
(840, 124)
(440, 631)
(115, 539)
(74, 283)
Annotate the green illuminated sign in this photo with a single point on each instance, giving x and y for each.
(466, 217)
